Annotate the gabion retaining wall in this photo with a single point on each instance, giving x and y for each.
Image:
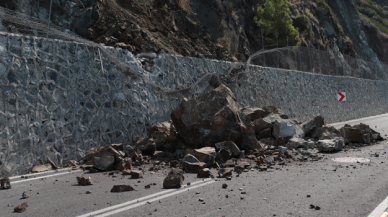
(60, 99)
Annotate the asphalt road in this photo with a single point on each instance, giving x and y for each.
(339, 189)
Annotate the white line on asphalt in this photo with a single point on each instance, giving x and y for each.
(361, 119)
(152, 200)
(37, 174)
(379, 209)
(41, 177)
(138, 200)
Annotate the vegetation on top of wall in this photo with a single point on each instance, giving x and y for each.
(374, 14)
(275, 18)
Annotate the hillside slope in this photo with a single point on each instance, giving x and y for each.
(216, 29)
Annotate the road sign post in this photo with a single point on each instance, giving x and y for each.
(341, 97)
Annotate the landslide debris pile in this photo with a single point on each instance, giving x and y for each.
(212, 131)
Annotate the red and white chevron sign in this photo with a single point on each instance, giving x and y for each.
(341, 96)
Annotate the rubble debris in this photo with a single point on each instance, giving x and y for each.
(84, 180)
(309, 126)
(330, 145)
(229, 145)
(122, 188)
(73, 163)
(206, 155)
(223, 173)
(42, 168)
(5, 183)
(147, 146)
(204, 173)
(255, 113)
(224, 185)
(126, 172)
(25, 195)
(88, 192)
(136, 174)
(360, 133)
(163, 133)
(174, 179)
(104, 162)
(174, 163)
(204, 121)
(223, 155)
(21, 208)
(193, 167)
(53, 165)
(188, 158)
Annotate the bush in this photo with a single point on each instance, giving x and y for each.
(223, 42)
(302, 22)
(275, 18)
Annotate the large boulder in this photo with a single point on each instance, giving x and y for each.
(352, 134)
(261, 124)
(254, 113)
(211, 118)
(309, 126)
(360, 133)
(287, 129)
(330, 145)
(174, 179)
(206, 155)
(230, 145)
(223, 155)
(326, 132)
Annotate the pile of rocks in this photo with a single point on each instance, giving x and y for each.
(212, 131)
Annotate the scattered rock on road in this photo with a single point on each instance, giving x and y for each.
(121, 188)
(5, 183)
(174, 179)
(204, 173)
(21, 208)
(84, 181)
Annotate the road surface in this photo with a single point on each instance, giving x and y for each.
(339, 189)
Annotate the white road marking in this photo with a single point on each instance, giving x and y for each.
(379, 209)
(37, 174)
(361, 119)
(139, 199)
(41, 177)
(152, 200)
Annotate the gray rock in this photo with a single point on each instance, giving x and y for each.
(330, 145)
(254, 113)
(296, 143)
(287, 129)
(230, 145)
(309, 126)
(206, 155)
(190, 159)
(265, 123)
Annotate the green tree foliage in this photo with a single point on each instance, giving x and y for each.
(275, 17)
(302, 22)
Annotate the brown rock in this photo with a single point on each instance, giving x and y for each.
(104, 162)
(328, 132)
(206, 154)
(128, 164)
(280, 142)
(193, 167)
(265, 123)
(126, 172)
(93, 170)
(229, 163)
(174, 179)
(238, 168)
(147, 146)
(223, 173)
(163, 132)
(5, 183)
(121, 188)
(243, 162)
(136, 174)
(73, 163)
(211, 118)
(118, 147)
(352, 134)
(255, 113)
(41, 168)
(204, 173)
(21, 208)
(84, 181)
(53, 165)
(174, 163)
